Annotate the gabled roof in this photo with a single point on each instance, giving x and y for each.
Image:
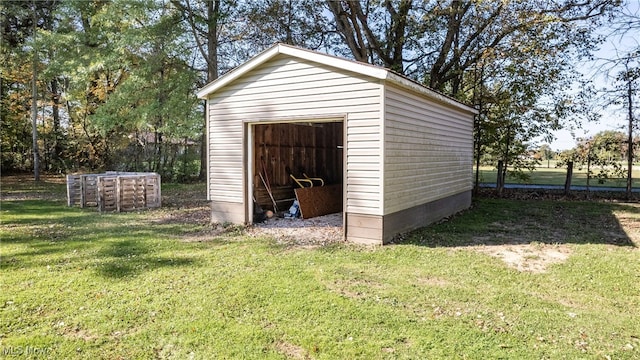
(365, 69)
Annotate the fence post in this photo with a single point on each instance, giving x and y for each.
(500, 179)
(567, 182)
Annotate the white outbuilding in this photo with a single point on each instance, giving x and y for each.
(393, 155)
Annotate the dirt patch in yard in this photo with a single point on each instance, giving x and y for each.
(535, 258)
(521, 253)
(195, 214)
(291, 351)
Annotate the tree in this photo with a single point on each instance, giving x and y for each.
(155, 100)
(34, 104)
(21, 20)
(622, 72)
(627, 87)
(123, 75)
(204, 19)
(599, 155)
(294, 22)
(449, 38)
(109, 66)
(512, 57)
(376, 33)
(226, 33)
(546, 153)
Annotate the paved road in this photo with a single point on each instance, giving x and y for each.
(559, 187)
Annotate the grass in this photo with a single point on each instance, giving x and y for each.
(77, 284)
(544, 175)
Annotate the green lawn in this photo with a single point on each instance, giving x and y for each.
(77, 284)
(544, 175)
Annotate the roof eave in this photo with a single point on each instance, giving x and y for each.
(421, 89)
(334, 61)
(227, 78)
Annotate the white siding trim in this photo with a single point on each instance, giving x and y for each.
(248, 168)
(383, 162)
(338, 117)
(208, 153)
(345, 178)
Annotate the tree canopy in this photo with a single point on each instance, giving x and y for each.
(117, 77)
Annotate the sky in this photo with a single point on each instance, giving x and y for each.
(612, 118)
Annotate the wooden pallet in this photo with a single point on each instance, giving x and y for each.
(114, 191)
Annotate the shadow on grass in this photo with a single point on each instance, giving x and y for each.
(114, 253)
(503, 222)
(128, 258)
(43, 233)
(33, 212)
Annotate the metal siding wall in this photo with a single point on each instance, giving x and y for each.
(428, 150)
(285, 88)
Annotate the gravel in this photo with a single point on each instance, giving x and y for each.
(321, 230)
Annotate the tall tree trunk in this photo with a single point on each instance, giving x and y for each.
(354, 26)
(588, 171)
(630, 139)
(289, 35)
(451, 41)
(503, 172)
(567, 181)
(477, 138)
(477, 122)
(34, 105)
(45, 161)
(500, 178)
(349, 28)
(476, 188)
(213, 13)
(55, 113)
(157, 152)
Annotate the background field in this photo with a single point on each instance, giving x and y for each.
(505, 279)
(552, 175)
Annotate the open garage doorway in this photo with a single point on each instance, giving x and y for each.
(307, 155)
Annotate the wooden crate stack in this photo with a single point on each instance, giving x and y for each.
(74, 190)
(114, 191)
(90, 190)
(108, 193)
